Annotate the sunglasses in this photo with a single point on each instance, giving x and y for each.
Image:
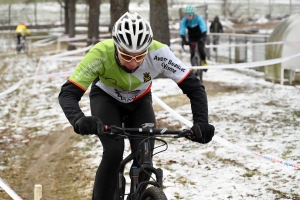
(189, 15)
(129, 58)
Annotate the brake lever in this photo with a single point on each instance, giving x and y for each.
(183, 133)
(115, 133)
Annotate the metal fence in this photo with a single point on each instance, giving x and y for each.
(236, 48)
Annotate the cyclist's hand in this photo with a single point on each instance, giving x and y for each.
(88, 125)
(202, 133)
(185, 43)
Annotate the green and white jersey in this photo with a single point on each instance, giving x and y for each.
(100, 62)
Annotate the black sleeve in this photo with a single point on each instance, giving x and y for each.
(69, 97)
(192, 87)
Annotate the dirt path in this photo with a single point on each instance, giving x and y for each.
(46, 160)
(52, 161)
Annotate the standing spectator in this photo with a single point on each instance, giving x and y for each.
(216, 27)
(21, 31)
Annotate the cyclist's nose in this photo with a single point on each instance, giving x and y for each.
(132, 64)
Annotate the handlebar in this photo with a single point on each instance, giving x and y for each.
(146, 129)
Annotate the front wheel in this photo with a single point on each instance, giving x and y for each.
(153, 193)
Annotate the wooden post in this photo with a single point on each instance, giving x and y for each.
(37, 192)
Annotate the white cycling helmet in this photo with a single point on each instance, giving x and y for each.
(132, 33)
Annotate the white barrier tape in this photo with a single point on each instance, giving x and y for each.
(253, 44)
(171, 111)
(82, 44)
(65, 58)
(67, 53)
(38, 77)
(249, 44)
(290, 42)
(12, 88)
(228, 66)
(43, 44)
(53, 75)
(221, 140)
(66, 38)
(247, 65)
(9, 191)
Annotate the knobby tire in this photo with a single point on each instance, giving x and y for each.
(153, 193)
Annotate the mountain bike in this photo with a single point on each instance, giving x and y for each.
(142, 190)
(196, 59)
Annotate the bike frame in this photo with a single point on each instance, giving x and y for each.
(145, 159)
(144, 155)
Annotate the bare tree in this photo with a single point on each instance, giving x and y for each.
(159, 20)
(72, 21)
(117, 9)
(93, 23)
(229, 9)
(66, 9)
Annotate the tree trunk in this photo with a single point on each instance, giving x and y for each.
(117, 9)
(159, 20)
(93, 21)
(66, 9)
(72, 24)
(66, 13)
(35, 12)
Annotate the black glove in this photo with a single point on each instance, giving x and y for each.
(184, 42)
(202, 133)
(89, 125)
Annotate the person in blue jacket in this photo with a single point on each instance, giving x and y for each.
(196, 31)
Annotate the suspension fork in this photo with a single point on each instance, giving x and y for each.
(145, 165)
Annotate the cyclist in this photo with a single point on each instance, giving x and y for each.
(121, 71)
(21, 31)
(196, 32)
(216, 27)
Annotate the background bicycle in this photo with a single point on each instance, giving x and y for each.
(195, 60)
(142, 189)
(22, 47)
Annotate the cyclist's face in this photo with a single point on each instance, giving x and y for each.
(131, 60)
(189, 16)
